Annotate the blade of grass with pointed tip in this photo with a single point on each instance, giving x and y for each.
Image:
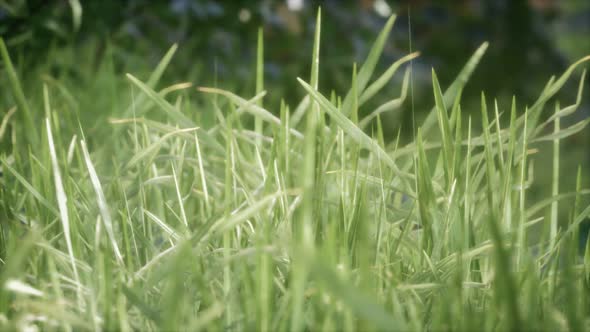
(76, 14)
(555, 183)
(353, 131)
(165, 128)
(170, 110)
(552, 89)
(300, 111)
(572, 108)
(456, 86)
(366, 71)
(23, 107)
(102, 203)
(390, 105)
(61, 196)
(165, 227)
(425, 194)
(303, 228)
(445, 129)
(154, 78)
(563, 133)
(30, 188)
(385, 77)
(155, 147)
(505, 285)
(259, 79)
(250, 107)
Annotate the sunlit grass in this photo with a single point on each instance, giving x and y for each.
(229, 214)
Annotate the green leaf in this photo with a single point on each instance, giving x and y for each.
(391, 105)
(250, 107)
(102, 204)
(385, 77)
(24, 111)
(170, 110)
(368, 67)
(353, 131)
(457, 85)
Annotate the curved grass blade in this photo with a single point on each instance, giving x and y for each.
(390, 105)
(385, 77)
(170, 110)
(366, 71)
(353, 131)
(256, 110)
(102, 203)
(61, 196)
(153, 80)
(456, 86)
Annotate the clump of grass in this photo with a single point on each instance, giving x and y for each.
(304, 222)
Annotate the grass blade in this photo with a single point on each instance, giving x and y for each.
(102, 203)
(353, 131)
(19, 96)
(61, 197)
(456, 86)
(366, 71)
(170, 110)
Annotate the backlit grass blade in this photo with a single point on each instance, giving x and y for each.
(225, 224)
(505, 285)
(537, 108)
(170, 110)
(259, 78)
(353, 131)
(385, 77)
(250, 107)
(30, 188)
(391, 105)
(165, 227)
(445, 129)
(102, 203)
(555, 184)
(299, 111)
(366, 71)
(155, 147)
(153, 80)
(61, 196)
(572, 108)
(303, 228)
(207, 138)
(563, 133)
(456, 86)
(426, 196)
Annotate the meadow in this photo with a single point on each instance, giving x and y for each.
(192, 208)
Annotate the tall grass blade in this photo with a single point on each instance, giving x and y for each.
(368, 67)
(26, 115)
(456, 86)
(102, 203)
(61, 198)
(353, 131)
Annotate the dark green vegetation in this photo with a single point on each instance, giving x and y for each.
(191, 210)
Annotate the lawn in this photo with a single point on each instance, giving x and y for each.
(191, 208)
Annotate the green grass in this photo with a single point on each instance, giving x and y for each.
(197, 209)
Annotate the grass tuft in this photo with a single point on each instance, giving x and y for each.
(206, 210)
